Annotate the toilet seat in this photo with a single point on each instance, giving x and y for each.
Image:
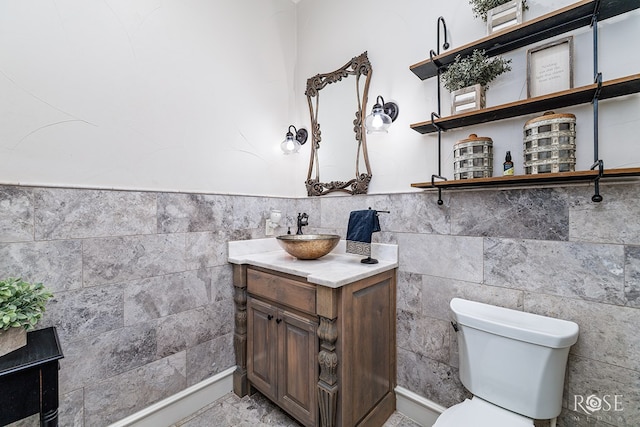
(480, 413)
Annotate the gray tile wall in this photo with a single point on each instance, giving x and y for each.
(143, 297)
(549, 251)
(144, 308)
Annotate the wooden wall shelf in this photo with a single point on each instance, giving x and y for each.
(581, 14)
(581, 95)
(542, 178)
(546, 26)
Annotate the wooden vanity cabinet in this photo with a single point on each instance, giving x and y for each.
(327, 356)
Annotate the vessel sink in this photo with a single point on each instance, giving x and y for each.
(308, 246)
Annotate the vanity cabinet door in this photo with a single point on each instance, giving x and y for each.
(298, 368)
(281, 358)
(262, 346)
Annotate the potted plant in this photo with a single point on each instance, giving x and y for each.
(498, 14)
(468, 79)
(21, 307)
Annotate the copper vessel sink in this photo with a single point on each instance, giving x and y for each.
(308, 246)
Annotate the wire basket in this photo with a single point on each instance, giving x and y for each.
(550, 144)
(473, 157)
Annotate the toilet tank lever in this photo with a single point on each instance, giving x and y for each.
(455, 326)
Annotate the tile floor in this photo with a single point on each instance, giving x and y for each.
(233, 411)
(254, 411)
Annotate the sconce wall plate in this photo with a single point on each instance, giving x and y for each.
(302, 135)
(391, 109)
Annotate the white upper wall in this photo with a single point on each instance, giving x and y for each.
(397, 34)
(187, 95)
(195, 95)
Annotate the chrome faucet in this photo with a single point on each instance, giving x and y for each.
(303, 220)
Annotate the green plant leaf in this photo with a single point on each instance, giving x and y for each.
(21, 303)
(476, 68)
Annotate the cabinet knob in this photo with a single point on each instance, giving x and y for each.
(269, 316)
(278, 321)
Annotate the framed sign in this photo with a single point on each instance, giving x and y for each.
(550, 68)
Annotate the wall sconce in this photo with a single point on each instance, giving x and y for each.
(292, 143)
(381, 117)
(272, 222)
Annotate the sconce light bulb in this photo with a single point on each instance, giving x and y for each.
(378, 121)
(290, 145)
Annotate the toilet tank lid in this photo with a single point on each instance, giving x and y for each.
(519, 325)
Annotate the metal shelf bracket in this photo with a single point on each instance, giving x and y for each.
(597, 198)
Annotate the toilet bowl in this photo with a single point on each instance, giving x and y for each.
(512, 362)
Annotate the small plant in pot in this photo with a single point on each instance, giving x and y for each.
(468, 79)
(498, 14)
(21, 307)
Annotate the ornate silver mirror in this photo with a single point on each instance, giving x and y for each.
(341, 144)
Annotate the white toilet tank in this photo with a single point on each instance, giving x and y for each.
(513, 359)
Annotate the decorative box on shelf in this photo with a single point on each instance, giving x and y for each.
(504, 16)
(468, 98)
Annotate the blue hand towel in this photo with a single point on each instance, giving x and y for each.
(362, 224)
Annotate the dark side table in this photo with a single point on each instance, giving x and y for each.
(29, 379)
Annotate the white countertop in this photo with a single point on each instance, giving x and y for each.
(333, 270)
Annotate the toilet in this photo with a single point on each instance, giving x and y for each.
(512, 362)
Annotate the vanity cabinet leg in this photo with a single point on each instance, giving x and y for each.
(240, 381)
(328, 361)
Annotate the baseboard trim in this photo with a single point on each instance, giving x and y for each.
(421, 410)
(182, 404)
(189, 401)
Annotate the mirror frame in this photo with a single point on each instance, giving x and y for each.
(359, 66)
